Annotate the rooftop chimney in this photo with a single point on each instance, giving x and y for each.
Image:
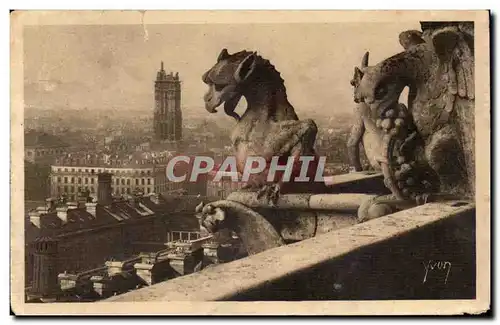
(72, 205)
(104, 192)
(35, 218)
(50, 204)
(91, 208)
(155, 198)
(62, 213)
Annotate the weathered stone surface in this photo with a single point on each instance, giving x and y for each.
(328, 221)
(286, 201)
(337, 202)
(259, 272)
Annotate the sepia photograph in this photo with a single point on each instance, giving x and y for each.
(264, 163)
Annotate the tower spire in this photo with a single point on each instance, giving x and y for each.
(161, 65)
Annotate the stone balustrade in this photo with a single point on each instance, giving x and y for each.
(390, 254)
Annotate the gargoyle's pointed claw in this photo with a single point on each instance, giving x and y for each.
(262, 191)
(271, 193)
(275, 194)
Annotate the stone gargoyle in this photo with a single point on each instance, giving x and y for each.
(269, 126)
(427, 148)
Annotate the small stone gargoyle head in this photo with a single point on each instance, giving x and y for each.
(376, 86)
(210, 218)
(226, 79)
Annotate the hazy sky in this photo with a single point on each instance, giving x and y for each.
(114, 66)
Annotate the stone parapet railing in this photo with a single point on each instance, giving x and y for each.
(426, 252)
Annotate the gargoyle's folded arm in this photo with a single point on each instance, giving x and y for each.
(353, 143)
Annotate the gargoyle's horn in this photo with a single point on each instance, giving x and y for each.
(364, 61)
(199, 207)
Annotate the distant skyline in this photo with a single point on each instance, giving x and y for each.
(110, 67)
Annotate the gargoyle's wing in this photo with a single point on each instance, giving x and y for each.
(455, 50)
(410, 38)
(456, 55)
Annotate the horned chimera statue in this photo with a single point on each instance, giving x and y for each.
(269, 126)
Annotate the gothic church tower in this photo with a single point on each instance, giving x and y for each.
(167, 113)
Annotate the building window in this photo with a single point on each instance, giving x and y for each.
(149, 181)
(142, 181)
(128, 181)
(128, 190)
(117, 181)
(59, 179)
(123, 190)
(59, 190)
(65, 189)
(66, 169)
(72, 189)
(65, 179)
(72, 180)
(148, 190)
(92, 180)
(86, 180)
(92, 189)
(136, 181)
(79, 180)
(123, 181)
(72, 169)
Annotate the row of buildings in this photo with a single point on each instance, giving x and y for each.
(71, 237)
(143, 172)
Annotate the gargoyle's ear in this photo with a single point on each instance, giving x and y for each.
(356, 78)
(358, 75)
(364, 61)
(246, 67)
(223, 55)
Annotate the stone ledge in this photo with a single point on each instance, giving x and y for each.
(329, 202)
(235, 278)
